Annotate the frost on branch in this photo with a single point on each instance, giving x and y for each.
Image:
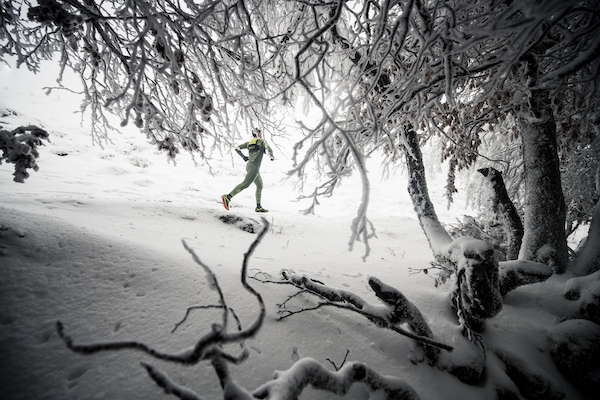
(397, 309)
(19, 147)
(289, 384)
(476, 295)
(403, 311)
(503, 206)
(435, 233)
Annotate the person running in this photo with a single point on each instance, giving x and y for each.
(256, 148)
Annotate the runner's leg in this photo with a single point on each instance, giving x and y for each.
(259, 186)
(251, 172)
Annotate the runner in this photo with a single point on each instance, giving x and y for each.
(256, 148)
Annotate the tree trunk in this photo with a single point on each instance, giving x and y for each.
(476, 295)
(436, 234)
(503, 206)
(544, 239)
(588, 259)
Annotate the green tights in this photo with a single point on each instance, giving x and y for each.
(252, 175)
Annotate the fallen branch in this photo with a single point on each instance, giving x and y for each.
(513, 274)
(289, 384)
(397, 309)
(403, 311)
(217, 336)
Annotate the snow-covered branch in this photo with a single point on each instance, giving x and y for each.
(513, 274)
(20, 147)
(397, 309)
(289, 384)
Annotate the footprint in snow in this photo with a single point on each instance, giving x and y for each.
(74, 374)
(44, 336)
(295, 356)
(357, 275)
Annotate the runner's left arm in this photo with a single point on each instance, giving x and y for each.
(238, 150)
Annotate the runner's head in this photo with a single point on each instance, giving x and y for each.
(256, 132)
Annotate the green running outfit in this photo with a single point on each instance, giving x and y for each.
(257, 147)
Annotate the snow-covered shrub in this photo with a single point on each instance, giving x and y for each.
(484, 227)
(19, 147)
(139, 162)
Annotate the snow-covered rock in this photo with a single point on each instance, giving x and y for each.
(586, 290)
(531, 380)
(576, 352)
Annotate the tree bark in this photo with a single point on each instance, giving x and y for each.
(506, 209)
(476, 296)
(436, 234)
(544, 238)
(588, 259)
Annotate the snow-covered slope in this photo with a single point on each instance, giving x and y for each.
(94, 239)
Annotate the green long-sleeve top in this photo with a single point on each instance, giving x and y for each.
(256, 148)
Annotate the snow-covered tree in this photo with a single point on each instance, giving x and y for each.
(386, 76)
(461, 69)
(193, 75)
(190, 75)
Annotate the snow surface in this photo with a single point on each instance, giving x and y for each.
(94, 239)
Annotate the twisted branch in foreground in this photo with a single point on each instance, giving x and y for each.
(218, 335)
(287, 385)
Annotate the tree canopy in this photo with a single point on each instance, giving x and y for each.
(194, 75)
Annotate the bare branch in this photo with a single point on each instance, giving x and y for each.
(202, 350)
